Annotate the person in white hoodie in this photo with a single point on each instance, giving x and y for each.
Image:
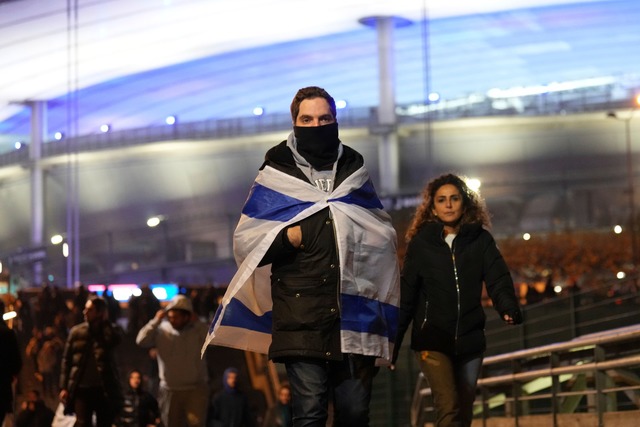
(177, 334)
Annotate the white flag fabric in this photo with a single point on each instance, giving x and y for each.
(369, 272)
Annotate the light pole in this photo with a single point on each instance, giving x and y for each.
(630, 183)
(161, 220)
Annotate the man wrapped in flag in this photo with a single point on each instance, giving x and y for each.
(317, 286)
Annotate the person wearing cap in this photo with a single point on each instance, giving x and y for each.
(177, 334)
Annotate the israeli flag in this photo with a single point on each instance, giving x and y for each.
(366, 241)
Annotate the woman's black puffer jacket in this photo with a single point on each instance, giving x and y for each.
(442, 289)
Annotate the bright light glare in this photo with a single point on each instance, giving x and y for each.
(153, 221)
(474, 184)
(9, 315)
(340, 104)
(517, 92)
(164, 291)
(65, 250)
(557, 289)
(526, 236)
(434, 97)
(621, 275)
(170, 120)
(98, 289)
(160, 293)
(105, 128)
(258, 111)
(56, 240)
(0, 266)
(18, 145)
(58, 136)
(617, 229)
(122, 292)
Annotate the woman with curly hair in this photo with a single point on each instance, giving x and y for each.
(450, 255)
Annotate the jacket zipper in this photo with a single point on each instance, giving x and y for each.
(455, 275)
(333, 226)
(426, 310)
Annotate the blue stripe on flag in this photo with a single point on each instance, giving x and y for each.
(265, 203)
(365, 315)
(364, 196)
(238, 315)
(215, 318)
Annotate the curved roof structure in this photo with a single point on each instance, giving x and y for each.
(132, 64)
(210, 63)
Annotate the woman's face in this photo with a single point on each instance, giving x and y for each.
(448, 204)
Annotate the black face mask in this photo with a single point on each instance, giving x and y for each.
(318, 144)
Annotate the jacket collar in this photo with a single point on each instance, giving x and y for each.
(433, 232)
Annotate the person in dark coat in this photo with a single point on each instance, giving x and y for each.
(140, 408)
(89, 380)
(10, 365)
(230, 406)
(334, 282)
(34, 412)
(450, 255)
(142, 308)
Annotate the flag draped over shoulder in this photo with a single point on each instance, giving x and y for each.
(369, 273)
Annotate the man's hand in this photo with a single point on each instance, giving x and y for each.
(64, 394)
(160, 314)
(512, 317)
(294, 234)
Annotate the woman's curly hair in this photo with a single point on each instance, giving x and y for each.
(475, 210)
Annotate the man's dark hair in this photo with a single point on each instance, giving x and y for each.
(310, 93)
(99, 303)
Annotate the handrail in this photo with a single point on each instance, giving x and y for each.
(605, 337)
(561, 370)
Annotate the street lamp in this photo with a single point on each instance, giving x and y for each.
(630, 184)
(161, 220)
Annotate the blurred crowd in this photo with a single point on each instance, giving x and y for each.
(543, 268)
(44, 317)
(556, 264)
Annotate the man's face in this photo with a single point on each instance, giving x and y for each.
(32, 397)
(91, 313)
(178, 319)
(314, 112)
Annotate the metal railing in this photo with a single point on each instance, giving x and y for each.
(581, 375)
(567, 102)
